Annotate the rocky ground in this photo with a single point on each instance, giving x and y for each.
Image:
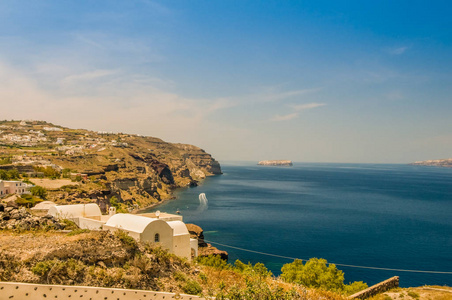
(14, 218)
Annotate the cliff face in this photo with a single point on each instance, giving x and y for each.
(199, 162)
(137, 170)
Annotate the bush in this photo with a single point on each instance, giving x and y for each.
(69, 225)
(39, 191)
(213, 261)
(42, 268)
(120, 207)
(126, 239)
(48, 172)
(5, 161)
(10, 174)
(413, 294)
(258, 269)
(354, 287)
(192, 287)
(27, 201)
(316, 274)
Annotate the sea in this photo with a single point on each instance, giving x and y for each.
(384, 216)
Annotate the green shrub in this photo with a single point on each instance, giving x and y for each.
(213, 261)
(354, 287)
(39, 191)
(258, 269)
(120, 207)
(10, 174)
(192, 287)
(5, 161)
(69, 225)
(42, 268)
(179, 276)
(126, 239)
(317, 273)
(27, 201)
(413, 294)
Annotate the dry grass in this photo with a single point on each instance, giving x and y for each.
(52, 183)
(421, 293)
(106, 260)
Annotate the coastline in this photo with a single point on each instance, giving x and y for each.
(145, 209)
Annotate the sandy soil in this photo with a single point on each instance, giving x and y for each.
(52, 183)
(421, 293)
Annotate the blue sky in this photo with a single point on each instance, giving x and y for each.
(310, 81)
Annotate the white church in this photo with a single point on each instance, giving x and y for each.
(160, 228)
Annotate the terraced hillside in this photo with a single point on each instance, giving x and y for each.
(135, 171)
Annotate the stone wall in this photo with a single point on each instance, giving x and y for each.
(23, 291)
(378, 288)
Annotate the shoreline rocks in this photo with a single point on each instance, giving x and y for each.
(204, 249)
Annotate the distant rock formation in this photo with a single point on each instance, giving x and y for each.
(287, 163)
(446, 163)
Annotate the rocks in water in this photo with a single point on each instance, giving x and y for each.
(204, 249)
(211, 250)
(192, 183)
(196, 232)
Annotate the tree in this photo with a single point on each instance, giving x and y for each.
(317, 273)
(39, 191)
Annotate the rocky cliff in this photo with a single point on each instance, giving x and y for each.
(136, 170)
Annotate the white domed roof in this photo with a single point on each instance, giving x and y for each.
(75, 210)
(178, 227)
(131, 222)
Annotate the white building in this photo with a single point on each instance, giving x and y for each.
(14, 187)
(86, 216)
(169, 231)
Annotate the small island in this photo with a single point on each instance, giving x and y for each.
(286, 163)
(446, 163)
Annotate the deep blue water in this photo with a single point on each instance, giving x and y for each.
(390, 216)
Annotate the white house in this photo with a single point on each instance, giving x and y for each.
(169, 231)
(143, 229)
(86, 216)
(14, 187)
(181, 240)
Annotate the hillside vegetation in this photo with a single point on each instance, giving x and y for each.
(106, 260)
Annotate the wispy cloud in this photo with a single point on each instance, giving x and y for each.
(89, 75)
(274, 94)
(298, 108)
(279, 118)
(397, 50)
(113, 103)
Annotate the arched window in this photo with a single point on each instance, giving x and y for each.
(157, 238)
